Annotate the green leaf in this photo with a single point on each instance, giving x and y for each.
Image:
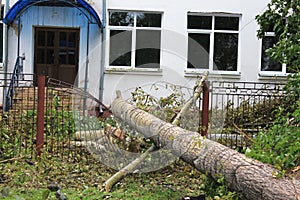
(45, 194)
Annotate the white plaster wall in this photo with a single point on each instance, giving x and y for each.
(174, 41)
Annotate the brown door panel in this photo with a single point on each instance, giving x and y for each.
(67, 73)
(57, 53)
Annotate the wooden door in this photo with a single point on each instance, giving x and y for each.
(57, 53)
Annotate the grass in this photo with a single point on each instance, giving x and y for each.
(93, 194)
(82, 178)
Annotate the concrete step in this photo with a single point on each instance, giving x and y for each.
(25, 98)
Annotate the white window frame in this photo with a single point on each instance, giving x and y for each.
(133, 30)
(211, 47)
(283, 71)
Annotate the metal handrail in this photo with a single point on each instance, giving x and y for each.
(14, 82)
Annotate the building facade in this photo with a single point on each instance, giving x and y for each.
(109, 45)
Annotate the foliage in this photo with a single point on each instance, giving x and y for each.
(59, 122)
(18, 129)
(217, 189)
(9, 142)
(280, 144)
(252, 111)
(292, 89)
(283, 17)
(16, 133)
(167, 107)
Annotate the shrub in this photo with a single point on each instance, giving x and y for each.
(280, 144)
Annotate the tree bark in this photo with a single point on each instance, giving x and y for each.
(198, 88)
(251, 178)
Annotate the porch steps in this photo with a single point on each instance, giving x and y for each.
(25, 98)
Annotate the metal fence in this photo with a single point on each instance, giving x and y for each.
(18, 124)
(26, 128)
(239, 110)
(58, 118)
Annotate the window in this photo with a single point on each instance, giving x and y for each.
(213, 42)
(269, 65)
(135, 39)
(1, 34)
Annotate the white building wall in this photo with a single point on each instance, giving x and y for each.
(174, 42)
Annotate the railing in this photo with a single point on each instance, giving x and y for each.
(18, 125)
(239, 110)
(63, 116)
(14, 82)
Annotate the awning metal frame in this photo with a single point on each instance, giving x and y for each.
(85, 8)
(20, 6)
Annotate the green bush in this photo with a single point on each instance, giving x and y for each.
(280, 144)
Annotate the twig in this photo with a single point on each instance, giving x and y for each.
(197, 92)
(127, 169)
(243, 133)
(11, 159)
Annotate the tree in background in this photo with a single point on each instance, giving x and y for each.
(283, 18)
(280, 144)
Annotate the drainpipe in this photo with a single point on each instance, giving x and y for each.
(19, 36)
(103, 48)
(5, 63)
(86, 66)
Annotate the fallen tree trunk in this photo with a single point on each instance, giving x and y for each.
(129, 168)
(251, 178)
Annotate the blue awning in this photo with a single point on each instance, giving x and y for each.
(20, 6)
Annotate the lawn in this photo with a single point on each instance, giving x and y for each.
(82, 178)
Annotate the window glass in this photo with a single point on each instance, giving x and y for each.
(121, 18)
(120, 48)
(267, 63)
(72, 39)
(62, 56)
(199, 22)
(40, 55)
(62, 39)
(227, 23)
(41, 38)
(198, 51)
(139, 28)
(271, 27)
(50, 56)
(148, 20)
(225, 51)
(147, 49)
(71, 57)
(221, 37)
(50, 38)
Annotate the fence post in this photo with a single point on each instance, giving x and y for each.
(205, 109)
(40, 115)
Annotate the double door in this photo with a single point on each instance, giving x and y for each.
(57, 53)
